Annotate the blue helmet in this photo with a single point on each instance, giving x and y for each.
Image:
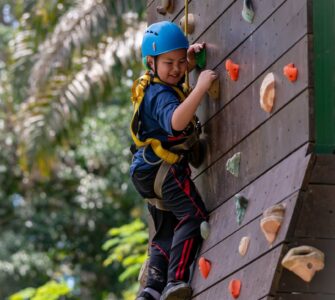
(163, 37)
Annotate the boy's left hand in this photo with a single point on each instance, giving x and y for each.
(195, 48)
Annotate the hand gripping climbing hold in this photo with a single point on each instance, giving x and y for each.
(233, 164)
(166, 6)
(214, 90)
(248, 11)
(244, 245)
(190, 25)
(291, 72)
(204, 230)
(204, 267)
(235, 288)
(271, 221)
(304, 261)
(232, 69)
(267, 92)
(241, 204)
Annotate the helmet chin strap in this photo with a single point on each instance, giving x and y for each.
(155, 67)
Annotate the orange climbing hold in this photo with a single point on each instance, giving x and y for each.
(232, 69)
(235, 288)
(291, 72)
(204, 267)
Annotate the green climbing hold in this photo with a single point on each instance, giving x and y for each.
(200, 58)
(233, 164)
(204, 230)
(241, 204)
(248, 11)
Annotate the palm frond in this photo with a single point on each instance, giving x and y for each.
(49, 119)
(78, 26)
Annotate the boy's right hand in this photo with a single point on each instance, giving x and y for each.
(205, 80)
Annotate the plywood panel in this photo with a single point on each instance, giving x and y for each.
(256, 280)
(154, 16)
(205, 13)
(278, 33)
(323, 281)
(324, 170)
(275, 185)
(301, 297)
(243, 115)
(258, 52)
(149, 2)
(317, 215)
(224, 256)
(230, 22)
(261, 150)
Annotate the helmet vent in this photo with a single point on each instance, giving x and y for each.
(153, 32)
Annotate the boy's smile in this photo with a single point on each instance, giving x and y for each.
(171, 66)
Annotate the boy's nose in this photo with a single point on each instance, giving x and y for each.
(176, 68)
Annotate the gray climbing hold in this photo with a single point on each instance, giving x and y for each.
(241, 204)
(233, 164)
(204, 230)
(248, 11)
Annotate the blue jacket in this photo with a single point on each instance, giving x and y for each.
(156, 112)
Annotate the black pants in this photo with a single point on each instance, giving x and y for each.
(177, 236)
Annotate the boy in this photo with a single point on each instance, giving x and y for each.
(163, 120)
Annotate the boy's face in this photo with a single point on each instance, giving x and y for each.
(171, 66)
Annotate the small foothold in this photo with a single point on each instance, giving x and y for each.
(235, 288)
(244, 245)
(214, 90)
(204, 230)
(233, 164)
(241, 204)
(291, 72)
(200, 58)
(248, 11)
(166, 6)
(271, 221)
(232, 69)
(190, 25)
(267, 92)
(204, 267)
(304, 261)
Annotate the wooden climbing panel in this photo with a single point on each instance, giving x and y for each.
(278, 162)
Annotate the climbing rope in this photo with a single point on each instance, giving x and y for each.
(186, 34)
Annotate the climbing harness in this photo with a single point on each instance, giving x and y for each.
(167, 156)
(187, 81)
(138, 92)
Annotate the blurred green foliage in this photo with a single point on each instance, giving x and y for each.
(64, 159)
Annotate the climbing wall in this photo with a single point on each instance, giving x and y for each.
(278, 164)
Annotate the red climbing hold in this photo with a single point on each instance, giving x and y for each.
(204, 267)
(232, 69)
(235, 287)
(291, 72)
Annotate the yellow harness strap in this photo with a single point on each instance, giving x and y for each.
(138, 91)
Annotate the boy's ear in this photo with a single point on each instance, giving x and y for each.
(150, 63)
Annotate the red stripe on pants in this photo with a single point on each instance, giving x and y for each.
(184, 258)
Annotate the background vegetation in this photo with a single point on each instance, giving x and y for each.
(66, 68)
